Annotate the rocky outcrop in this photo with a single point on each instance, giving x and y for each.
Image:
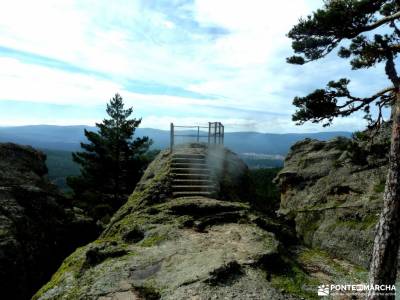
(160, 247)
(37, 226)
(333, 192)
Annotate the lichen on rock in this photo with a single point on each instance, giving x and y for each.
(334, 195)
(160, 247)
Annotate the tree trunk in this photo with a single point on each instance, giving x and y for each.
(383, 266)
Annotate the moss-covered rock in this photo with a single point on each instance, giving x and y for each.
(158, 247)
(335, 196)
(188, 244)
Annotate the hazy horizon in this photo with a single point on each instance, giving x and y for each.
(168, 129)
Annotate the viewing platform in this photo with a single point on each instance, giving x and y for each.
(212, 134)
(191, 170)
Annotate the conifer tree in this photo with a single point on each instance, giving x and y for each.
(112, 162)
(371, 35)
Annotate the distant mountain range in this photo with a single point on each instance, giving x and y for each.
(68, 138)
(258, 150)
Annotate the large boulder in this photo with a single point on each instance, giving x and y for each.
(37, 226)
(160, 247)
(333, 192)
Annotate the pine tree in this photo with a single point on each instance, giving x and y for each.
(111, 163)
(370, 30)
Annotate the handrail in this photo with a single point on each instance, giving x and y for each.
(216, 133)
(189, 135)
(190, 126)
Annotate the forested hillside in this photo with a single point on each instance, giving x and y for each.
(60, 166)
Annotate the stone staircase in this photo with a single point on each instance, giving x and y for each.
(191, 175)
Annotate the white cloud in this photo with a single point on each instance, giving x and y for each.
(272, 124)
(45, 85)
(258, 27)
(24, 82)
(130, 40)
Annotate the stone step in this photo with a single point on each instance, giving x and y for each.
(193, 181)
(189, 165)
(188, 156)
(193, 188)
(188, 160)
(190, 176)
(190, 170)
(192, 194)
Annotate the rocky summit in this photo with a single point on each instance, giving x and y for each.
(333, 192)
(160, 245)
(38, 227)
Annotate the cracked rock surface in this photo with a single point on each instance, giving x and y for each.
(38, 227)
(158, 247)
(333, 192)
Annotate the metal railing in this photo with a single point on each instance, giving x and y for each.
(216, 132)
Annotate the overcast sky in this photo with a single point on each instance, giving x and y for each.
(182, 61)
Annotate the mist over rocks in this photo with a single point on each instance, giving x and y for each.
(38, 227)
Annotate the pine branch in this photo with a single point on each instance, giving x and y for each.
(322, 105)
(380, 22)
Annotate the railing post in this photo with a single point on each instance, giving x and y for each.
(223, 133)
(172, 136)
(215, 133)
(209, 132)
(198, 133)
(219, 132)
